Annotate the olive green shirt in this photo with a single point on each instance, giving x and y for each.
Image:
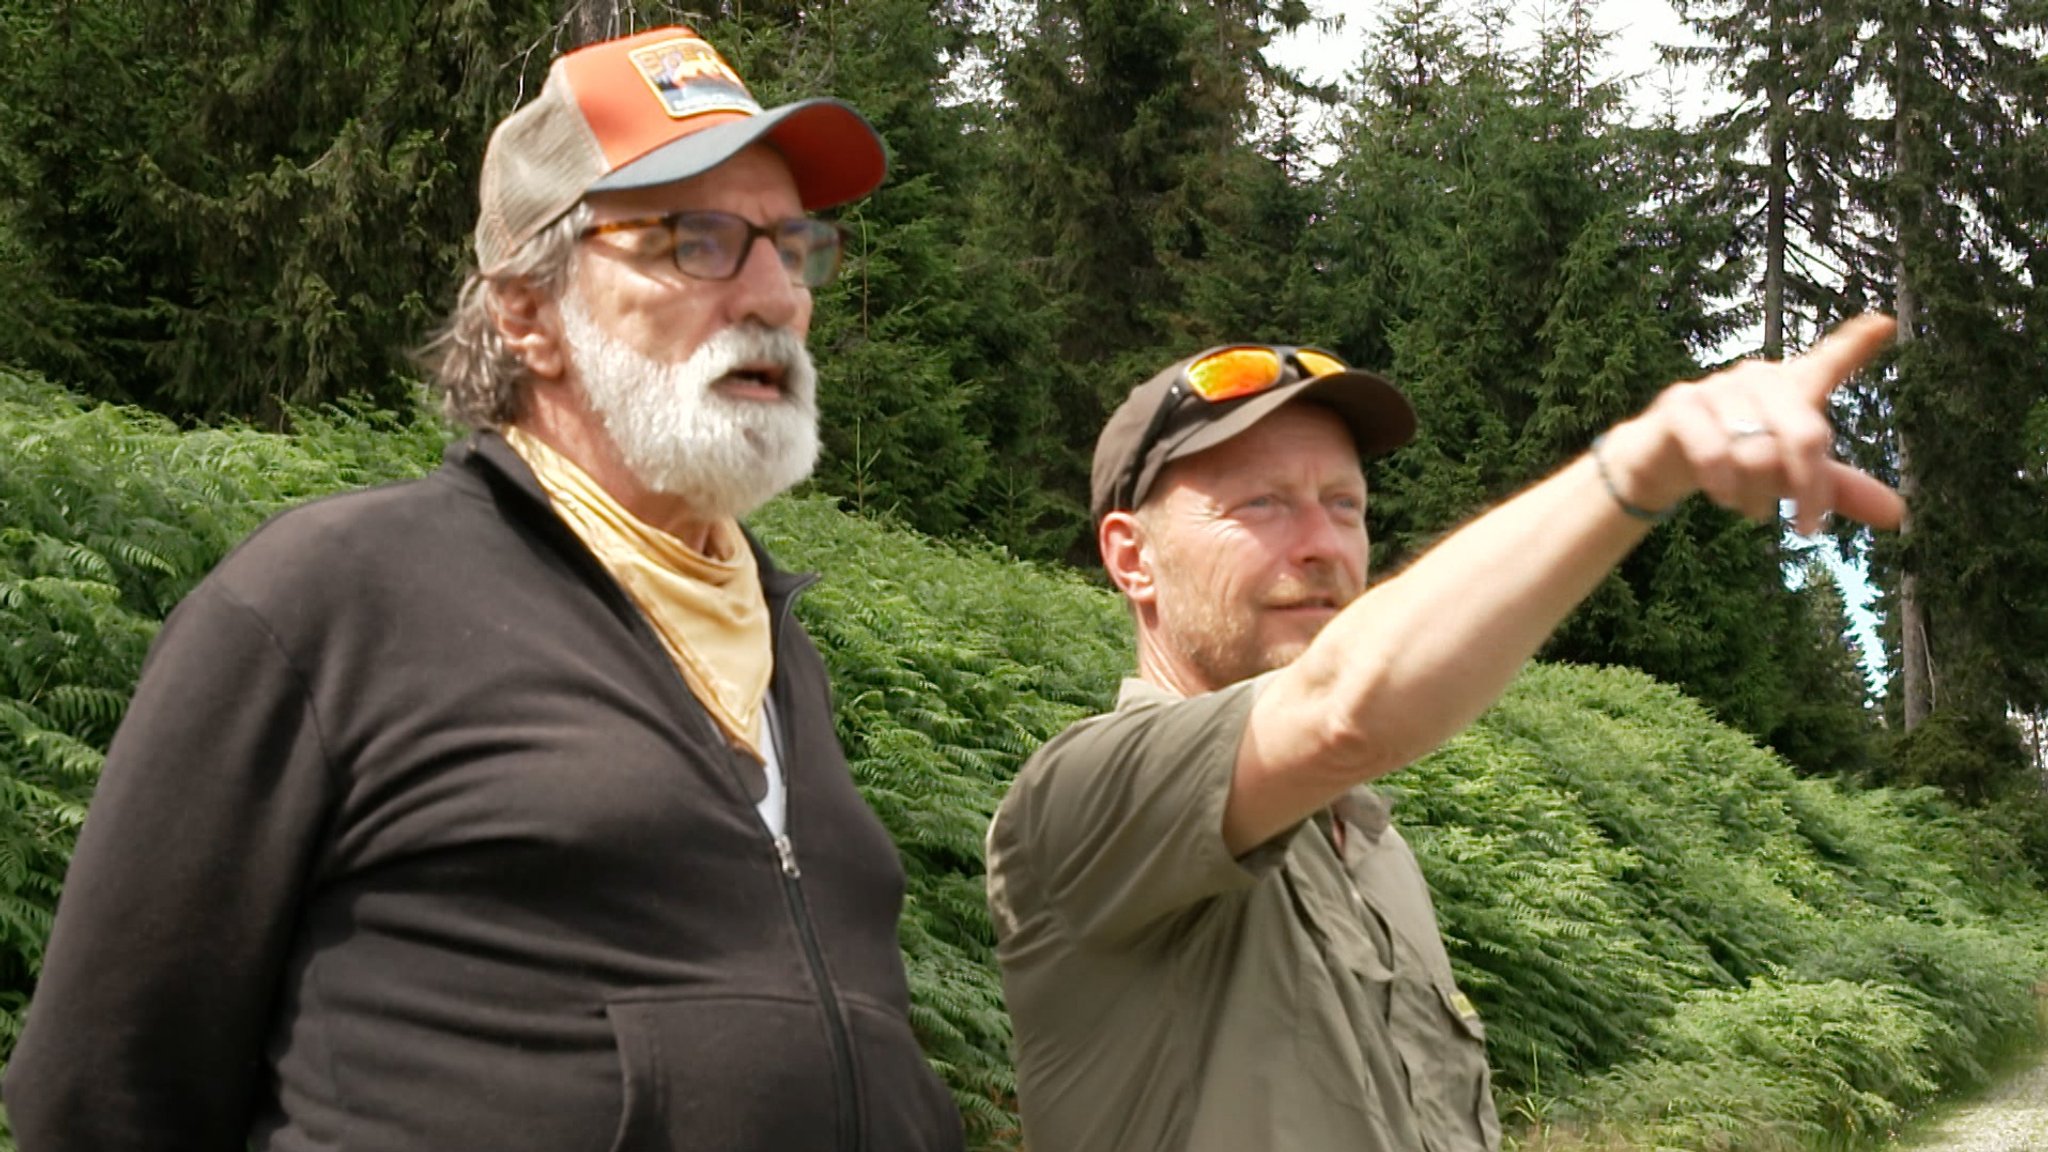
(1168, 997)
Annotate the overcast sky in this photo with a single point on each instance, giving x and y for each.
(1639, 26)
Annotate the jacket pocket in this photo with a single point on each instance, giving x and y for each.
(907, 1107)
(724, 1074)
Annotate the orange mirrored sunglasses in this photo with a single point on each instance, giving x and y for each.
(1249, 369)
(1229, 373)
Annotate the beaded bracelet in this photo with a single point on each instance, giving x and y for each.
(1643, 514)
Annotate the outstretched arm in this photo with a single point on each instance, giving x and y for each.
(1412, 662)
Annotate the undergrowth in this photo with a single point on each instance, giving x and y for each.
(1675, 941)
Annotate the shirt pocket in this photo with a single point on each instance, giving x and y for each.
(1443, 1042)
(1335, 916)
(1342, 986)
(1474, 1070)
(1462, 1013)
(724, 1074)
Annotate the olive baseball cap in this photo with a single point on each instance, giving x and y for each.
(1140, 440)
(649, 109)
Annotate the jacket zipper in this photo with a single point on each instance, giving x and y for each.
(842, 1057)
(785, 850)
(785, 854)
(792, 890)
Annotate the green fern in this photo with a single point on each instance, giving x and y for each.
(1695, 947)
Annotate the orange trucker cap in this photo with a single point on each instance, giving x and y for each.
(648, 109)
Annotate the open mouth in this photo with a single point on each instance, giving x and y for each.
(757, 380)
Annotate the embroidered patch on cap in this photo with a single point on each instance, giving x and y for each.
(691, 78)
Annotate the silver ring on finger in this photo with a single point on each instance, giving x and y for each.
(1740, 429)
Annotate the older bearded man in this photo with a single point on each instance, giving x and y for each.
(503, 809)
(1212, 936)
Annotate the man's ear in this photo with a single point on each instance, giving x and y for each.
(531, 324)
(1126, 555)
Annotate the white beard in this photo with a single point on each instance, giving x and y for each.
(677, 436)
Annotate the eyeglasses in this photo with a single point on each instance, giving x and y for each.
(715, 245)
(1220, 374)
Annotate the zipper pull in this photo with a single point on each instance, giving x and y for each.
(787, 852)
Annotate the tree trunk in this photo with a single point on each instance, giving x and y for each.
(1917, 664)
(1916, 660)
(1775, 192)
(589, 21)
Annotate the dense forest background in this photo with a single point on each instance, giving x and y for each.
(234, 213)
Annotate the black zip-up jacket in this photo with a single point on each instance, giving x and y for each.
(414, 839)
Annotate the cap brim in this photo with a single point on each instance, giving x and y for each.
(1378, 415)
(832, 151)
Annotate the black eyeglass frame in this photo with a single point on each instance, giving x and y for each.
(772, 231)
(1127, 492)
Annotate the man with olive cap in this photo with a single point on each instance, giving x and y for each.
(503, 809)
(1212, 937)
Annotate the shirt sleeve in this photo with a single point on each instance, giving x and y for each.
(148, 1026)
(1117, 823)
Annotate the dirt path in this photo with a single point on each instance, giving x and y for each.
(2013, 1117)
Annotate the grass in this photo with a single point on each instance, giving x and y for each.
(1916, 1134)
(1536, 1123)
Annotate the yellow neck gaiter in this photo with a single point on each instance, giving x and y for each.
(708, 610)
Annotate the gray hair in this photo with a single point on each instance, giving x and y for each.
(481, 380)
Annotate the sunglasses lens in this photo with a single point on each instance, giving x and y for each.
(1234, 372)
(1319, 364)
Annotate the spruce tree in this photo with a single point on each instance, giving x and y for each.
(1786, 147)
(1531, 268)
(1150, 226)
(1951, 180)
(1912, 134)
(1830, 725)
(235, 207)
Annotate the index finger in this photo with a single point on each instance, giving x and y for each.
(1866, 499)
(1841, 352)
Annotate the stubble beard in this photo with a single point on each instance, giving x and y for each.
(1219, 646)
(1221, 642)
(678, 436)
